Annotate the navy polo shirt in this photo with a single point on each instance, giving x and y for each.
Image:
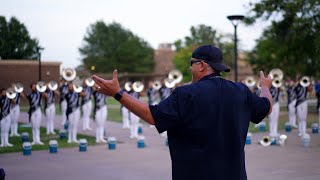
(207, 123)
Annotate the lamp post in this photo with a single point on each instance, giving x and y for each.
(235, 20)
(39, 58)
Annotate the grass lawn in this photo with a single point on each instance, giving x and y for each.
(62, 143)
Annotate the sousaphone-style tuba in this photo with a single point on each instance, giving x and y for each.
(156, 85)
(176, 75)
(305, 81)
(41, 86)
(250, 81)
(18, 87)
(89, 82)
(69, 74)
(11, 93)
(53, 85)
(137, 86)
(276, 73)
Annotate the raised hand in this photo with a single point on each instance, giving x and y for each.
(265, 81)
(107, 87)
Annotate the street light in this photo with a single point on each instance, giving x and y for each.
(39, 58)
(235, 20)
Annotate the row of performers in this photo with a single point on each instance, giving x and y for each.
(297, 106)
(70, 109)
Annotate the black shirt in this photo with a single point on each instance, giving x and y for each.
(63, 91)
(88, 94)
(5, 107)
(207, 124)
(72, 99)
(99, 100)
(291, 94)
(35, 101)
(275, 94)
(301, 94)
(50, 98)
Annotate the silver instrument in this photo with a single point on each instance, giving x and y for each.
(137, 86)
(250, 81)
(53, 85)
(69, 74)
(89, 82)
(169, 83)
(283, 139)
(176, 75)
(41, 86)
(18, 87)
(305, 81)
(77, 85)
(265, 141)
(156, 85)
(128, 86)
(276, 73)
(11, 93)
(277, 82)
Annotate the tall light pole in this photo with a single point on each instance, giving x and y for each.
(39, 58)
(235, 20)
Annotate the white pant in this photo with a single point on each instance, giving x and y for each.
(302, 111)
(50, 115)
(73, 125)
(63, 106)
(125, 117)
(15, 113)
(100, 119)
(86, 111)
(36, 121)
(134, 125)
(5, 127)
(273, 120)
(292, 113)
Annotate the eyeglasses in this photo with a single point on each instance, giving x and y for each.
(194, 61)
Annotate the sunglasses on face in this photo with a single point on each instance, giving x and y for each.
(194, 61)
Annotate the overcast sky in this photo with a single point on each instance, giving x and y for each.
(60, 25)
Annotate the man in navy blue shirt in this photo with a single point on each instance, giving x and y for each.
(207, 121)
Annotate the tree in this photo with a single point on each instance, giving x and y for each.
(111, 46)
(200, 35)
(292, 41)
(15, 41)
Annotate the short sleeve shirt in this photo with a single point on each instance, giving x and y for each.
(207, 123)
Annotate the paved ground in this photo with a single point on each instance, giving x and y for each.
(292, 162)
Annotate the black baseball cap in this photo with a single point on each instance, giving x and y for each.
(211, 55)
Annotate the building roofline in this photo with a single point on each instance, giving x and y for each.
(28, 62)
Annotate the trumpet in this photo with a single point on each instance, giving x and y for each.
(53, 85)
(176, 75)
(156, 85)
(265, 141)
(18, 87)
(305, 81)
(11, 93)
(249, 81)
(137, 86)
(69, 74)
(128, 86)
(276, 82)
(276, 73)
(41, 86)
(89, 82)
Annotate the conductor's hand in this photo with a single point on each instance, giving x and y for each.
(265, 81)
(107, 87)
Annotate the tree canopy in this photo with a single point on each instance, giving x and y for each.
(292, 41)
(15, 41)
(111, 46)
(200, 35)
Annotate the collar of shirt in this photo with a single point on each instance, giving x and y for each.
(213, 75)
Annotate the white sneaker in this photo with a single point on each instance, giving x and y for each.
(9, 145)
(89, 128)
(295, 126)
(131, 137)
(97, 141)
(17, 135)
(11, 135)
(40, 143)
(76, 141)
(69, 141)
(33, 143)
(103, 141)
(300, 134)
(53, 132)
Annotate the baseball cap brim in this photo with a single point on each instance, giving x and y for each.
(219, 67)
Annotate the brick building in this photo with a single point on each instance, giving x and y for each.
(26, 71)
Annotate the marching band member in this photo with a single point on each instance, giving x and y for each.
(125, 113)
(165, 92)
(302, 107)
(317, 89)
(100, 115)
(5, 119)
(63, 103)
(15, 114)
(292, 100)
(50, 109)
(86, 105)
(153, 95)
(35, 113)
(274, 115)
(134, 119)
(73, 112)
